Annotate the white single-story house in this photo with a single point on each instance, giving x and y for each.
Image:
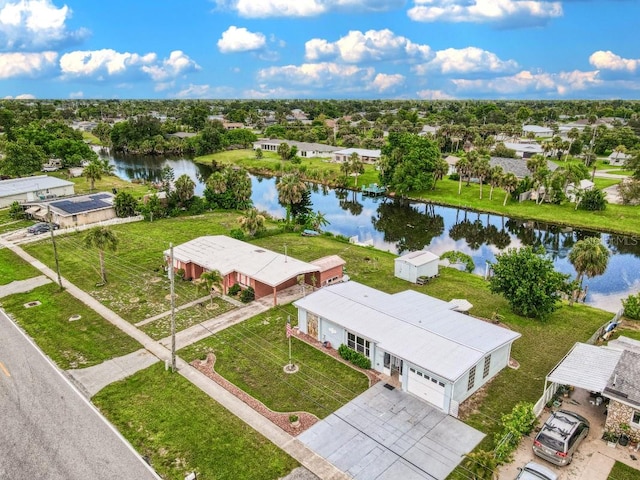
(525, 150)
(537, 130)
(245, 264)
(618, 158)
(366, 155)
(75, 211)
(305, 149)
(412, 265)
(452, 161)
(30, 189)
(433, 352)
(582, 186)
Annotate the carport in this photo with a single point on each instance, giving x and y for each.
(388, 435)
(584, 366)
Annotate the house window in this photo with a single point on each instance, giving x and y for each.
(487, 366)
(472, 378)
(358, 344)
(635, 420)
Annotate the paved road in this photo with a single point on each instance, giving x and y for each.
(47, 429)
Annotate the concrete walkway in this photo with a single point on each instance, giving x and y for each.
(306, 457)
(22, 286)
(606, 174)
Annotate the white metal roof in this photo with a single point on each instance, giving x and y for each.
(16, 186)
(586, 366)
(420, 329)
(227, 255)
(328, 262)
(417, 258)
(363, 152)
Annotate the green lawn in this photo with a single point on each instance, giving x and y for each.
(182, 430)
(603, 183)
(12, 267)
(620, 471)
(71, 344)
(8, 224)
(252, 355)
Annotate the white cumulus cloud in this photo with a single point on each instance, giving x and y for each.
(610, 61)
(35, 25)
(372, 45)
(172, 67)
(319, 75)
(466, 60)
(433, 95)
(304, 8)
(26, 64)
(526, 82)
(383, 81)
(22, 96)
(509, 13)
(236, 39)
(206, 91)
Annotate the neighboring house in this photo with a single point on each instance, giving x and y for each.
(331, 270)
(75, 211)
(241, 263)
(452, 161)
(30, 189)
(429, 130)
(232, 125)
(537, 130)
(612, 371)
(305, 150)
(181, 135)
(583, 186)
(412, 265)
(366, 156)
(517, 166)
(525, 150)
(618, 158)
(431, 351)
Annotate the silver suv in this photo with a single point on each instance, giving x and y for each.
(560, 436)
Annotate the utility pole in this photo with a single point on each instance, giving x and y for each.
(55, 249)
(173, 310)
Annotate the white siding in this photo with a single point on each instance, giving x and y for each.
(302, 320)
(499, 360)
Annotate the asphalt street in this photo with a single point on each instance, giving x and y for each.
(48, 430)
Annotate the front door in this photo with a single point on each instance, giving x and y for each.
(312, 325)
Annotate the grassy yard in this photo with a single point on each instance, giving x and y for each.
(137, 286)
(252, 355)
(182, 430)
(12, 267)
(620, 471)
(71, 344)
(7, 224)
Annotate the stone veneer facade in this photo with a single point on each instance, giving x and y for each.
(618, 414)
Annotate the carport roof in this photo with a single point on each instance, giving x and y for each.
(586, 366)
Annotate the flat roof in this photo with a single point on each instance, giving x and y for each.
(363, 152)
(82, 204)
(586, 366)
(16, 186)
(226, 254)
(415, 327)
(328, 262)
(417, 258)
(306, 146)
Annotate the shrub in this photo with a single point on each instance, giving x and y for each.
(593, 200)
(515, 425)
(454, 176)
(632, 306)
(459, 257)
(180, 273)
(16, 212)
(237, 233)
(234, 289)
(293, 418)
(247, 295)
(358, 359)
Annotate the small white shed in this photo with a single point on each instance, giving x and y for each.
(416, 264)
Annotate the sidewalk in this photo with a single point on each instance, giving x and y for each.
(22, 286)
(306, 457)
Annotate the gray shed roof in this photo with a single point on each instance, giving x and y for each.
(624, 382)
(518, 166)
(226, 254)
(16, 186)
(415, 327)
(586, 366)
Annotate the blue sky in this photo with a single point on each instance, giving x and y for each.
(414, 49)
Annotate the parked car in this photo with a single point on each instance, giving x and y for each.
(560, 436)
(535, 471)
(41, 227)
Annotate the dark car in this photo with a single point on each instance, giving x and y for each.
(41, 227)
(560, 436)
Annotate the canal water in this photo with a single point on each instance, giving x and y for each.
(399, 227)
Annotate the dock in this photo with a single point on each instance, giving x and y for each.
(374, 190)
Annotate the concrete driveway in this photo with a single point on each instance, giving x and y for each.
(389, 434)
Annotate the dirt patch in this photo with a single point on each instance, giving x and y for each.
(472, 404)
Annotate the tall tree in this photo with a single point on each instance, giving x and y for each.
(102, 239)
(356, 166)
(589, 257)
(252, 221)
(463, 167)
(290, 192)
(509, 185)
(93, 172)
(184, 188)
(22, 158)
(211, 280)
(496, 174)
(481, 171)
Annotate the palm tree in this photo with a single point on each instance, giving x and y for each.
(462, 167)
(212, 280)
(319, 220)
(284, 151)
(103, 239)
(252, 221)
(495, 178)
(93, 172)
(184, 188)
(290, 191)
(481, 171)
(589, 257)
(439, 171)
(356, 166)
(509, 184)
(217, 183)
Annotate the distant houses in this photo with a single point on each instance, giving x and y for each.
(30, 189)
(305, 149)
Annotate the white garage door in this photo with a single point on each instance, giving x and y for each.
(425, 387)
